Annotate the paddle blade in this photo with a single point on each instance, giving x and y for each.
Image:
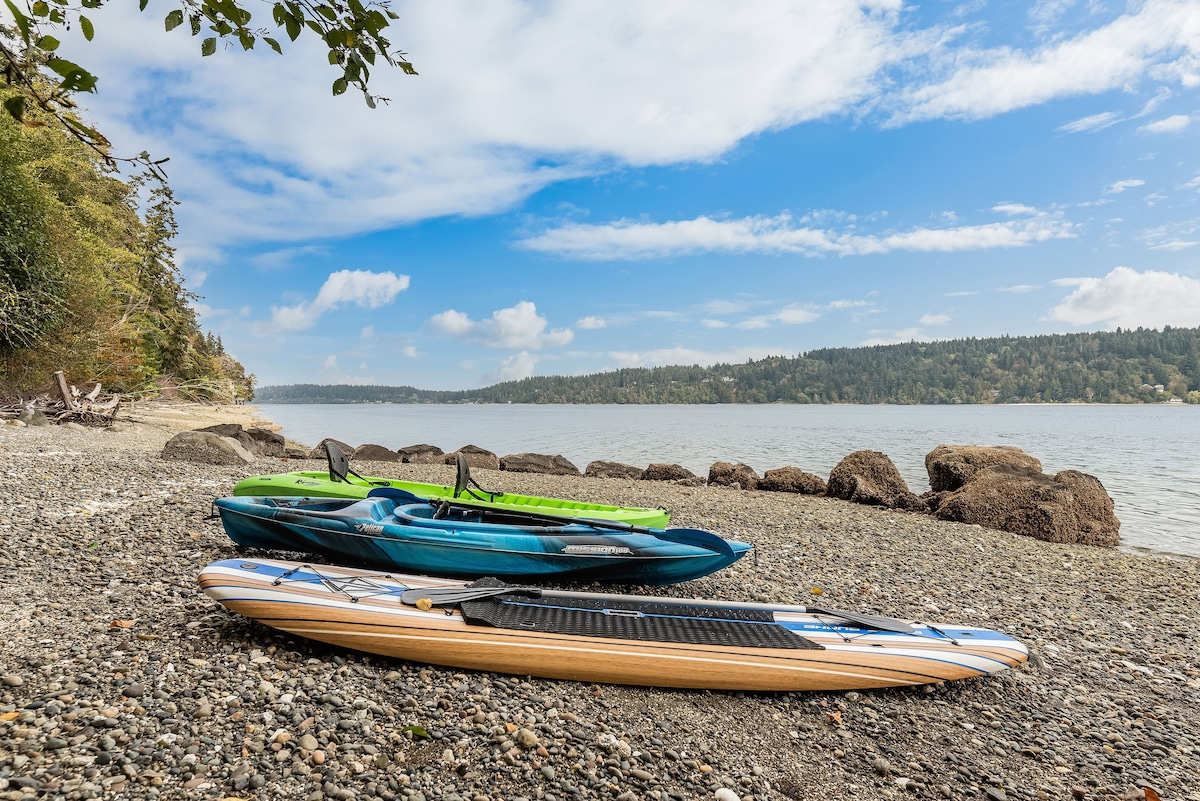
(699, 538)
(404, 496)
(451, 596)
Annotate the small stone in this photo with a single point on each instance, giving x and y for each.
(134, 691)
(527, 738)
(996, 794)
(725, 794)
(13, 680)
(881, 766)
(317, 757)
(309, 743)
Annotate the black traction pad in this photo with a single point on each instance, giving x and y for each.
(647, 621)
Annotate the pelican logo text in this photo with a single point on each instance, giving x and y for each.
(368, 528)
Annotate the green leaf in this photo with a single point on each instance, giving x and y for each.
(48, 43)
(274, 44)
(194, 20)
(417, 731)
(293, 28)
(327, 12)
(393, 14)
(208, 46)
(408, 68)
(21, 20)
(370, 101)
(339, 86)
(15, 106)
(85, 25)
(142, 4)
(40, 9)
(279, 13)
(247, 40)
(174, 19)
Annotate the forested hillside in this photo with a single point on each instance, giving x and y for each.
(88, 281)
(1145, 365)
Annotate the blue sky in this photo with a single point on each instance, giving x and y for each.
(579, 186)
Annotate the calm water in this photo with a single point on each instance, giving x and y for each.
(1146, 456)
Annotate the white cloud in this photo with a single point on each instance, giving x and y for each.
(518, 326)
(514, 368)
(1172, 124)
(1129, 299)
(893, 337)
(1014, 209)
(1018, 289)
(330, 362)
(725, 306)
(788, 315)
(835, 305)
(590, 323)
(628, 239)
(1160, 38)
(365, 289)
(1120, 186)
(368, 332)
(934, 319)
(709, 323)
(687, 356)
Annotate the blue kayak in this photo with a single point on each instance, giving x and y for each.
(445, 539)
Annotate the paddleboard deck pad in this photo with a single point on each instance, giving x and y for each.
(639, 640)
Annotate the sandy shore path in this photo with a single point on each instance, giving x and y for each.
(119, 679)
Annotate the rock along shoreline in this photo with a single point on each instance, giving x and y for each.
(120, 679)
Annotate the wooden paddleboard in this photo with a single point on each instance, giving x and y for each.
(362, 610)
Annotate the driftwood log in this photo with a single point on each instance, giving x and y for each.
(70, 405)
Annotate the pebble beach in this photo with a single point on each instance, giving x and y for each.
(119, 679)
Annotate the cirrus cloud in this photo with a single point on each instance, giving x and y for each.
(782, 234)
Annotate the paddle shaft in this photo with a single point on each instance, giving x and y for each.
(562, 520)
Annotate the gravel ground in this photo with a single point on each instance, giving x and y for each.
(119, 679)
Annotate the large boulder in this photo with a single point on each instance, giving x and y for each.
(476, 457)
(870, 477)
(725, 474)
(1068, 507)
(320, 453)
(375, 453)
(422, 454)
(951, 466)
(667, 472)
(206, 447)
(259, 441)
(792, 479)
(266, 442)
(603, 469)
(295, 450)
(538, 463)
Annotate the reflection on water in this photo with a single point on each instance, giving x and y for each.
(1144, 455)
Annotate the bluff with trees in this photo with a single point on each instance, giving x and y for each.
(88, 280)
(1122, 366)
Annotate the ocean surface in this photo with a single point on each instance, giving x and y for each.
(1147, 457)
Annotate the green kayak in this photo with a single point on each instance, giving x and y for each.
(342, 482)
